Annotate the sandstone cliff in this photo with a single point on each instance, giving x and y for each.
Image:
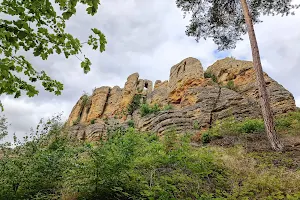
(195, 100)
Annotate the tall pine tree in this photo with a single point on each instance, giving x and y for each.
(225, 21)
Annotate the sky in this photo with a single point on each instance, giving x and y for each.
(148, 37)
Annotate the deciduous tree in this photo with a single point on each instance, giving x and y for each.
(39, 26)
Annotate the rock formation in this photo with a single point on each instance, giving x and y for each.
(196, 99)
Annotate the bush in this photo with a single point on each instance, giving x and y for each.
(168, 107)
(251, 126)
(93, 121)
(230, 85)
(135, 165)
(210, 75)
(135, 104)
(146, 109)
(232, 127)
(289, 123)
(130, 123)
(196, 125)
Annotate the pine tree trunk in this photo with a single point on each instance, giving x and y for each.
(260, 81)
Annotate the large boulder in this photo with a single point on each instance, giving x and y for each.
(243, 77)
(189, 68)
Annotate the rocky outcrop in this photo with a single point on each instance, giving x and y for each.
(242, 76)
(98, 103)
(196, 99)
(113, 101)
(189, 68)
(129, 90)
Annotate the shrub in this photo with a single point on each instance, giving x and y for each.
(85, 99)
(146, 109)
(206, 138)
(130, 123)
(232, 127)
(289, 123)
(251, 126)
(210, 75)
(230, 85)
(93, 121)
(135, 104)
(196, 125)
(168, 107)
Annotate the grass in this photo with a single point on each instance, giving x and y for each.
(284, 124)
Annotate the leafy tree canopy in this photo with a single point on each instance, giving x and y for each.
(223, 20)
(3, 127)
(39, 26)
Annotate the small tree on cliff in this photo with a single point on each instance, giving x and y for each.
(39, 26)
(225, 21)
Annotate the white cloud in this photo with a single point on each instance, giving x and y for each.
(148, 37)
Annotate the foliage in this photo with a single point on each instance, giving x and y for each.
(231, 127)
(39, 27)
(135, 104)
(285, 124)
(210, 75)
(146, 109)
(85, 99)
(132, 165)
(230, 85)
(3, 127)
(35, 167)
(289, 123)
(93, 121)
(224, 22)
(135, 165)
(251, 126)
(75, 122)
(252, 179)
(130, 123)
(168, 107)
(196, 125)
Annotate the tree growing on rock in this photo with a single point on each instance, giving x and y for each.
(39, 27)
(225, 21)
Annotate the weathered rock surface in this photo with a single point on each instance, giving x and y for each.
(242, 74)
(76, 112)
(99, 99)
(113, 101)
(189, 68)
(196, 102)
(129, 90)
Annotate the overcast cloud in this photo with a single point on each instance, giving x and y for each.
(148, 36)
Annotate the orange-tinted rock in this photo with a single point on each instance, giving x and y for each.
(242, 74)
(189, 68)
(129, 90)
(113, 101)
(192, 98)
(98, 103)
(75, 114)
(159, 84)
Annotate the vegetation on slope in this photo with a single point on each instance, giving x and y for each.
(134, 165)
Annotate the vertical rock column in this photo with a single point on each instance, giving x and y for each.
(98, 103)
(129, 90)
